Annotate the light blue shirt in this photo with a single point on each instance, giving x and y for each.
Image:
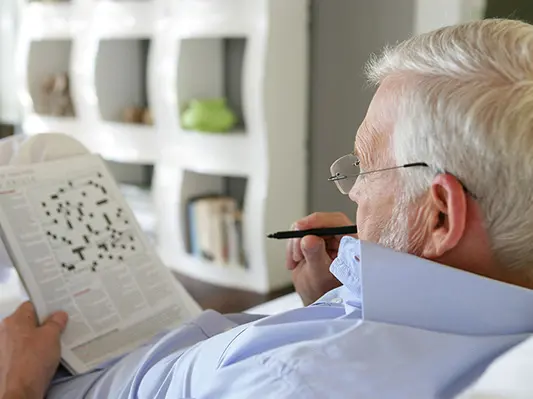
(399, 327)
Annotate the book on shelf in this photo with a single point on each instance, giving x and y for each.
(215, 230)
(77, 247)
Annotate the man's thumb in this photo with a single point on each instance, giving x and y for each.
(314, 250)
(57, 321)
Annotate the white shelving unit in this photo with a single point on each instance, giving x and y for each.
(103, 44)
(190, 41)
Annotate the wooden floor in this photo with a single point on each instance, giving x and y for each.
(226, 300)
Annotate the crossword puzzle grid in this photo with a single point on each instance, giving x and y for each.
(86, 227)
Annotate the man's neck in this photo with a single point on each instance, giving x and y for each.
(481, 261)
(515, 277)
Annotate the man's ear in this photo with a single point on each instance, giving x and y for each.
(446, 216)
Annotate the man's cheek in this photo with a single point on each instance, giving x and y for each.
(362, 221)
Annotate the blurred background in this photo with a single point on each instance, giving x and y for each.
(218, 118)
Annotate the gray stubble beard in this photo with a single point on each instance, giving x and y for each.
(395, 230)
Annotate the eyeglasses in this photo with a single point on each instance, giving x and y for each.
(345, 171)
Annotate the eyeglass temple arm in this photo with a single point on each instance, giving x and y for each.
(409, 165)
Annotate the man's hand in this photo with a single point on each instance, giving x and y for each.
(29, 354)
(309, 258)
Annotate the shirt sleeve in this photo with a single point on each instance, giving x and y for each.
(144, 372)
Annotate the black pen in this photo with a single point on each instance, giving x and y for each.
(328, 231)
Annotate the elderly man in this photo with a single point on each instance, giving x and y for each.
(441, 172)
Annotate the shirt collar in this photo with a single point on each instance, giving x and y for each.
(403, 289)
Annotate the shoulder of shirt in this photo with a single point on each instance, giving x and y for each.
(316, 368)
(265, 375)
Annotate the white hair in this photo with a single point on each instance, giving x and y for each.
(466, 107)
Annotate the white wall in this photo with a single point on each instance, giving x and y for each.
(433, 14)
(343, 35)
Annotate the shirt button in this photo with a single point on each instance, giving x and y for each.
(336, 300)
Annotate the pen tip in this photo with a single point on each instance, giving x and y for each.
(270, 236)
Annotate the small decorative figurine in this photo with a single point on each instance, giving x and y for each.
(56, 99)
(208, 115)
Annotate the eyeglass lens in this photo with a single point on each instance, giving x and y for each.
(345, 166)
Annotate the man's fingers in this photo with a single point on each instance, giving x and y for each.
(289, 263)
(297, 255)
(319, 220)
(295, 247)
(293, 251)
(314, 251)
(56, 323)
(25, 313)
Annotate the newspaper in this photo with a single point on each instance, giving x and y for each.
(77, 247)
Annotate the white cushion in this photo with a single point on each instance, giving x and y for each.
(509, 377)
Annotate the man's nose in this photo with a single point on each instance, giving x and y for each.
(354, 193)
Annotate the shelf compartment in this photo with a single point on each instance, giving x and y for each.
(211, 68)
(135, 185)
(48, 77)
(120, 79)
(132, 174)
(196, 185)
(211, 218)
